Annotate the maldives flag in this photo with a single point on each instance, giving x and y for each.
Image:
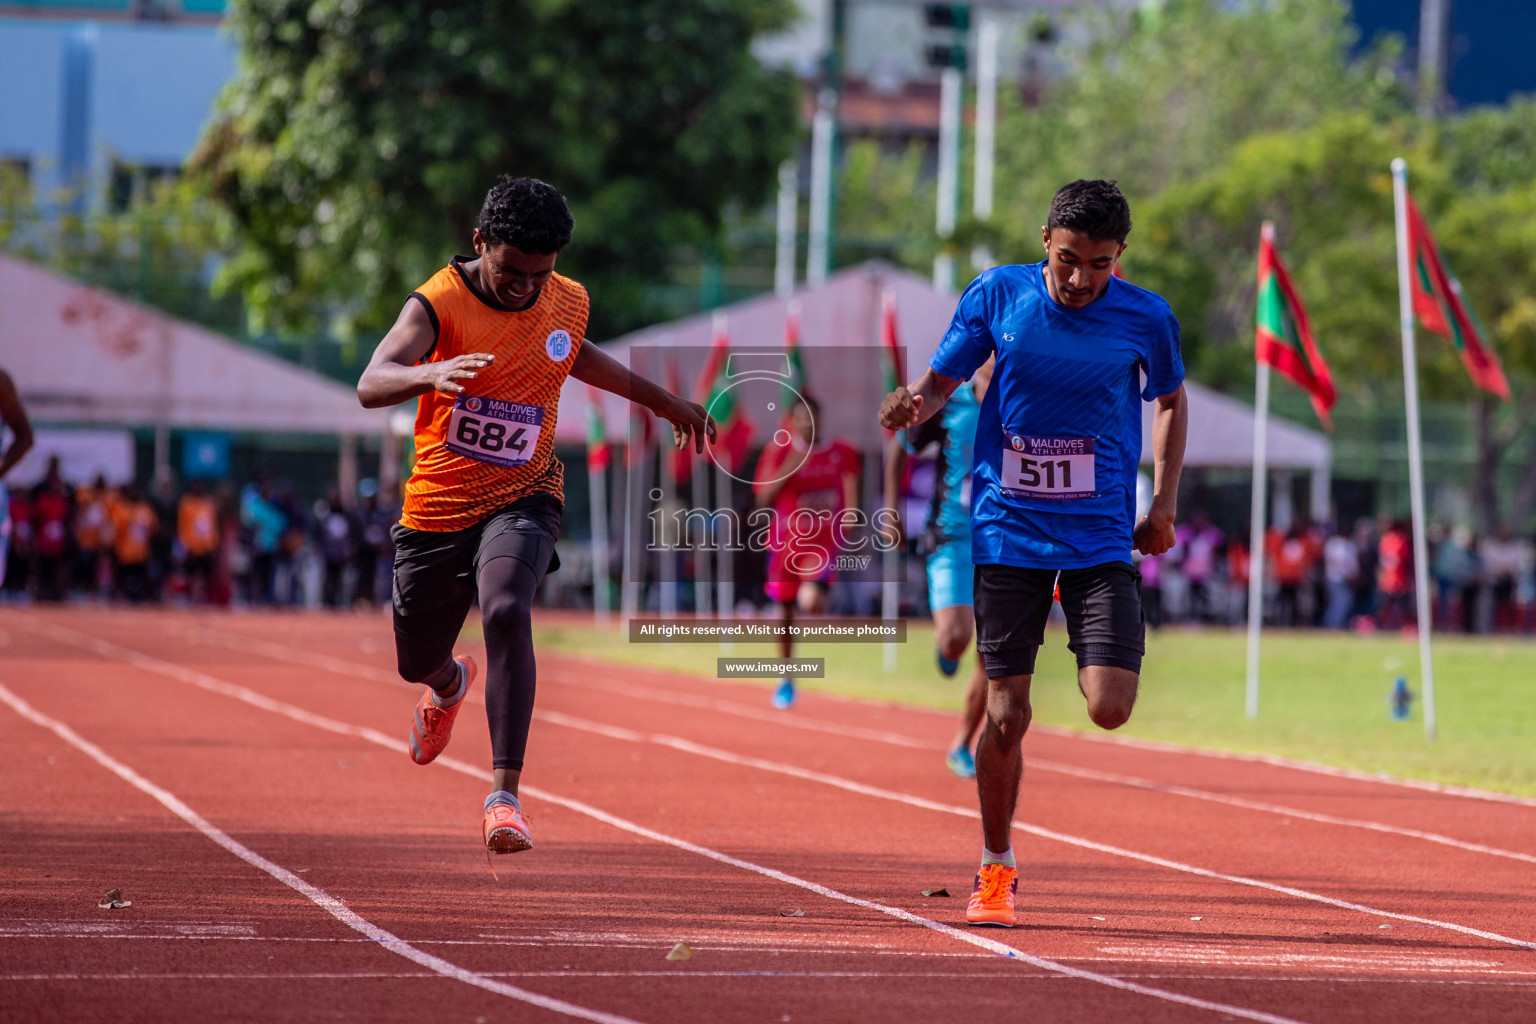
(733, 429)
(1284, 336)
(599, 452)
(1442, 308)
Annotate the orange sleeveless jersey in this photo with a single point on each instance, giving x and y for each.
(482, 450)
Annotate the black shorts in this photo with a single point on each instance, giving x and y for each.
(1103, 606)
(434, 569)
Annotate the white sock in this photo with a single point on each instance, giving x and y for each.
(1005, 858)
(501, 796)
(458, 693)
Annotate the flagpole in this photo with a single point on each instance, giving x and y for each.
(1415, 446)
(597, 480)
(1256, 533)
(703, 582)
(635, 453)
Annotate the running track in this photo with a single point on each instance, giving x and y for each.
(243, 780)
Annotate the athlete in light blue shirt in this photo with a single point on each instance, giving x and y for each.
(1053, 483)
(946, 542)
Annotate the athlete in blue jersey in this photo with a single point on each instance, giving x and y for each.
(1053, 483)
(946, 541)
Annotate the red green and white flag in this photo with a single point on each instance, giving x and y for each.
(733, 429)
(681, 461)
(1441, 307)
(599, 452)
(1284, 336)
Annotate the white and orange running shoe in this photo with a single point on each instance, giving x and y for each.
(433, 726)
(992, 897)
(506, 830)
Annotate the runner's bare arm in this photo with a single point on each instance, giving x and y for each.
(689, 423)
(15, 417)
(917, 401)
(1170, 425)
(393, 375)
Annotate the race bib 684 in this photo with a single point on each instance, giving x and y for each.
(490, 430)
(1048, 468)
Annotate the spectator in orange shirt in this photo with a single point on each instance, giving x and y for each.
(197, 528)
(93, 533)
(133, 527)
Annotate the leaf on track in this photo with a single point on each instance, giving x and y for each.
(681, 951)
(935, 892)
(114, 901)
(792, 913)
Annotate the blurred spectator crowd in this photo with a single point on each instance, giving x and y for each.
(1335, 577)
(196, 545)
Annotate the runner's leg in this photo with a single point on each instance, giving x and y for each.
(1111, 693)
(1000, 759)
(431, 597)
(1107, 631)
(975, 708)
(517, 549)
(1011, 607)
(424, 641)
(507, 586)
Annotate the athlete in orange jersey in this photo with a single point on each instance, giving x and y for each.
(487, 343)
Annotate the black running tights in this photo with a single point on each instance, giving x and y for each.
(424, 644)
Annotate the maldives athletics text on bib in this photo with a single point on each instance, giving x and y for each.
(1048, 468)
(494, 431)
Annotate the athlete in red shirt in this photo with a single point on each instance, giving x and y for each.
(809, 483)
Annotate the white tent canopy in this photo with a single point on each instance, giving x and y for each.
(82, 355)
(845, 311)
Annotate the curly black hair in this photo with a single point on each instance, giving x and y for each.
(527, 214)
(1094, 207)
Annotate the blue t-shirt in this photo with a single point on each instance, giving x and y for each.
(1059, 435)
(954, 430)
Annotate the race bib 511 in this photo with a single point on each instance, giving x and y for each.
(490, 430)
(1048, 468)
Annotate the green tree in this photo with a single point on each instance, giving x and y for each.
(1159, 95)
(157, 250)
(1329, 191)
(357, 140)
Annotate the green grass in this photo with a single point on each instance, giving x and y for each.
(1324, 695)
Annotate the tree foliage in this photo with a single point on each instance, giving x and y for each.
(358, 139)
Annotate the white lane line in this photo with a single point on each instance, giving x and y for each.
(688, 746)
(292, 655)
(1045, 764)
(255, 699)
(322, 899)
(1159, 746)
(788, 975)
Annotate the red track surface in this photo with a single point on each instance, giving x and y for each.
(669, 809)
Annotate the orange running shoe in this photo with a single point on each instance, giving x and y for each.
(506, 830)
(992, 898)
(433, 726)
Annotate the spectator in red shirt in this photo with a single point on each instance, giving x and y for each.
(808, 481)
(1394, 575)
(50, 532)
